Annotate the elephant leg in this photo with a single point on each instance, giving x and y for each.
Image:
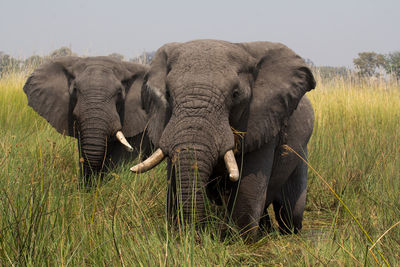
(265, 222)
(289, 203)
(248, 196)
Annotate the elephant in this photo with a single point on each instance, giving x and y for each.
(212, 104)
(96, 100)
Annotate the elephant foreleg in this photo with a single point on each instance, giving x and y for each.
(265, 222)
(289, 203)
(248, 197)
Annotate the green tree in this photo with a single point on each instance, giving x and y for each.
(117, 56)
(34, 61)
(8, 63)
(392, 64)
(144, 58)
(61, 52)
(368, 63)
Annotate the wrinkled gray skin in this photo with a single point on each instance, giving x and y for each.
(91, 99)
(195, 92)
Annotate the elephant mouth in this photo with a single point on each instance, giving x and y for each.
(229, 158)
(158, 156)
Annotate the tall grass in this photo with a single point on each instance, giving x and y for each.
(45, 219)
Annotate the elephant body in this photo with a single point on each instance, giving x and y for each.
(276, 176)
(270, 175)
(200, 96)
(95, 100)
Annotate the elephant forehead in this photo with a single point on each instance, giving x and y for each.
(98, 70)
(195, 81)
(200, 62)
(206, 58)
(213, 46)
(95, 76)
(202, 68)
(210, 47)
(108, 63)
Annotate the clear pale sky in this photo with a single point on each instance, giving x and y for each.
(327, 32)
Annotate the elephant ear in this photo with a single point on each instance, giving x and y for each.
(48, 93)
(281, 80)
(135, 118)
(154, 93)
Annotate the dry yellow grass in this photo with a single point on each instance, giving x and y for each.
(46, 220)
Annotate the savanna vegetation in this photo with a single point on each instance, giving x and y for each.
(11, 64)
(353, 206)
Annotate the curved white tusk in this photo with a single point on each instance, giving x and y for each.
(120, 136)
(231, 165)
(150, 162)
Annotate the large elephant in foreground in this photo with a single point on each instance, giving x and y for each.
(200, 96)
(96, 100)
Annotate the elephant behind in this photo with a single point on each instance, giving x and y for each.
(198, 95)
(96, 100)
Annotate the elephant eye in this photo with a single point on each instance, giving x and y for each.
(167, 93)
(120, 94)
(235, 94)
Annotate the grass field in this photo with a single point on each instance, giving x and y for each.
(46, 220)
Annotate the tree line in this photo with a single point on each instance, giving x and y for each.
(372, 64)
(367, 64)
(9, 63)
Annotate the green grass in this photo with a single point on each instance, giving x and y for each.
(46, 220)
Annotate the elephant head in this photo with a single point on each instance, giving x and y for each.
(195, 93)
(95, 99)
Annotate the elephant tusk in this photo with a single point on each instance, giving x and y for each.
(231, 165)
(150, 162)
(120, 136)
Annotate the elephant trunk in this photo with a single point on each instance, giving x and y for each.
(93, 145)
(192, 169)
(197, 135)
(97, 125)
(193, 153)
(94, 134)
